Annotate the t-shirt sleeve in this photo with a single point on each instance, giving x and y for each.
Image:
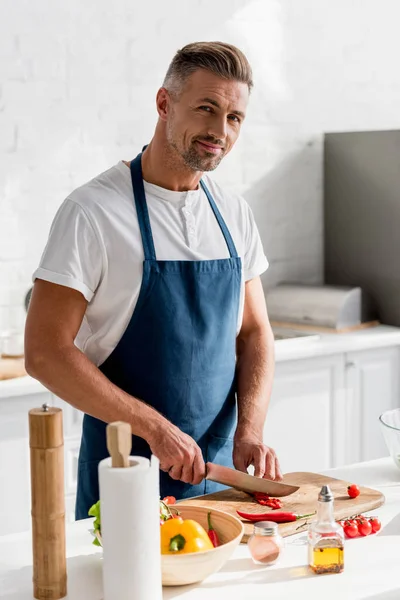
(72, 256)
(255, 261)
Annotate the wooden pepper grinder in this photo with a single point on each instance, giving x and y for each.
(48, 503)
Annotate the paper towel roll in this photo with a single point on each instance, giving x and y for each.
(130, 529)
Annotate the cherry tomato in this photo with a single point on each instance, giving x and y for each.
(364, 527)
(353, 491)
(169, 500)
(351, 530)
(375, 524)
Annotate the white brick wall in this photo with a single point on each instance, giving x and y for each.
(77, 87)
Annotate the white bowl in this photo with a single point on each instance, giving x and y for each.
(182, 569)
(390, 425)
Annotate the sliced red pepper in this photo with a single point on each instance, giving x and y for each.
(275, 503)
(266, 500)
(212, 534)
(261, 496)
(263, 502)
(277, 517)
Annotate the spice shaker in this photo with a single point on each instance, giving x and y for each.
(325, 538)
(265, 543)
(48, 503)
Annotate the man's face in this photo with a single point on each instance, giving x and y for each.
(204, 122)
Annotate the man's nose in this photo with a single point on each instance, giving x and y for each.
(218, 128)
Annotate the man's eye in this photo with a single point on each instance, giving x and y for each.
(206, 108)
(234, 118)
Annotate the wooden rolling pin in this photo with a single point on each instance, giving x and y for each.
(119, 443)
(48, 503)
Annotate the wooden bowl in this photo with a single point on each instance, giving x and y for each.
(183, 569)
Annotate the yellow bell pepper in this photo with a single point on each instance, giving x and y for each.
(181, 537)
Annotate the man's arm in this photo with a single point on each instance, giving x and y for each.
(255, 370)
(54, 317)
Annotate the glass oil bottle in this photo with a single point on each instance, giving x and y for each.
(325, 538)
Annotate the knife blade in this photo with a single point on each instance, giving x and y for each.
(247, 483)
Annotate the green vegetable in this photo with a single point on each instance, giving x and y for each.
(165, 512)
(94, 511)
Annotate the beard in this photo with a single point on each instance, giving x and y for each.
(193, 157)
(207, 161)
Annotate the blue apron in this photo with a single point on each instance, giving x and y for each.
(178, 354)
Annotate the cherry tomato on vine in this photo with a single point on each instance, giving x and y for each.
(364, 527)
(375, 524)
(351, 530)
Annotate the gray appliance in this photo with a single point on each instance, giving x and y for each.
(362, 216)
(335, 308)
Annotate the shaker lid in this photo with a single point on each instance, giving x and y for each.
(265, 528)
(325, 494)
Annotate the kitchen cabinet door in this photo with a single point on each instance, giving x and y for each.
(303, 420)
(372, 386)
(15, 487)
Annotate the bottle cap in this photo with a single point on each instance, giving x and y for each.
(325, 494)
(265, 528)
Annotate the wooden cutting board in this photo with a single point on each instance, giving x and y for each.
(304, 501)
(11, 368)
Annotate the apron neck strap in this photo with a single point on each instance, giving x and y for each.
(144, 219)
(141, 208)
(225, 231)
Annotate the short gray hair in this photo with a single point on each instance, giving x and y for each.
(222, 59)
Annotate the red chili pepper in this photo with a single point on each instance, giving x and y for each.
(266, 500)
(261, 496)
(212, 534)
(263, 502)
(277, 517)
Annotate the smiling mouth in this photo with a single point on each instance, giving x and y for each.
(211, 148)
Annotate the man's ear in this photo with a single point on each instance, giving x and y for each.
(163, 101)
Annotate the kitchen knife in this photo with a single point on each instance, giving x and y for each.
(247, 483)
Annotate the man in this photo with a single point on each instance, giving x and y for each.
(147, 305)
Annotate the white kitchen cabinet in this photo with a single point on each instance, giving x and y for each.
(15, 490)
(15, 487)
(305, 412)
(324, 412)
(372, 380)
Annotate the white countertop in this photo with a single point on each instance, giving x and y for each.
(20, 386)
(371, 564)
(382, 336)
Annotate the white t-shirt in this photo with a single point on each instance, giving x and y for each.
(95, 247)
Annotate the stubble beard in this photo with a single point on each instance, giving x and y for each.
(191, 157)
(207, 162)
